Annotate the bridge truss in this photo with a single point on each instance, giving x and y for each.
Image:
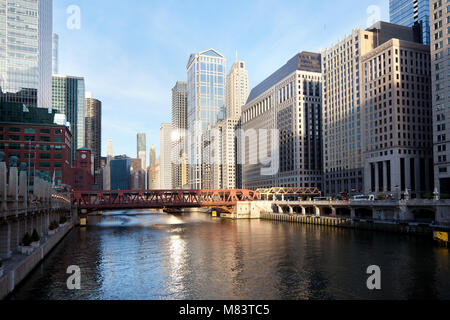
(160, 199)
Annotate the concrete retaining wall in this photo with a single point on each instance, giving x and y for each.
(349, 223)
(12, 278)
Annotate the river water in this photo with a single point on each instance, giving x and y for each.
(131, 255)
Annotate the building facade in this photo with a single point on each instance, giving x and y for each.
(206, 105)
(237, 90)
(179, 123)
(83, 172)
(440, 75)
(137, 175)
(342, 116)
(120, 173)
(141, 143)
(412, 13)
(26, 52)
(31, 135)
(397, 119)
(93, 133)
(68, 97)
(55, 53)
(289, 104)
(166, 156)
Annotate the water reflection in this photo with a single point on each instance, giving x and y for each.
(145, 255)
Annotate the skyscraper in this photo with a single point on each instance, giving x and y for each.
(142, 148)
(109, 148)
(206, 104)
(342, 118)
(412, 13)
(237, 89)
(93, 132)
(179, 123)
(68, 97)
(26, 52)
(151, 175)
(440, 70)
(165, 156)
(55, 47)
(397, 118)
(289, 102)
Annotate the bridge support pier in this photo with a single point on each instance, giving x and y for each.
(291, 209)
(5, 240)
(303, 211)
(333, 212)
(15, 235)
(404, 214)
(352, 213)
(317, 211)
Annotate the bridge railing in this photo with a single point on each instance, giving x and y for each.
(17, 197)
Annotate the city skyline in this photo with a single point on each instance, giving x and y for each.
(151, 72)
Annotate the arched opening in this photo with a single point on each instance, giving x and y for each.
(326, 212)
(343, 212)
(364, 213)
(424, 216)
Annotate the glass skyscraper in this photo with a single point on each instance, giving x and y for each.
(206, 104)
(411, 13)
(68, 97)
(26, 52)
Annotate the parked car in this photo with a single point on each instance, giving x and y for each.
(363, 198)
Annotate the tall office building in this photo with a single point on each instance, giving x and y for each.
(206, 104)
(109, 148)
(342, 118)
(237, 90)
(151, 178)
(397, 118)
(26, 52)
(93, 132)
(142, 148)
(288, 102)
(68, 97)
(440, 70)
(412, 13)
(137, 175)
(120, 173)
(165, 156)
(179, 123)
(55, 57)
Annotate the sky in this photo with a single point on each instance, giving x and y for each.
(131, 53)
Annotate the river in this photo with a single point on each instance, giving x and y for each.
(140, 255)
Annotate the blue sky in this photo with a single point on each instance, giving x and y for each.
(132, 52)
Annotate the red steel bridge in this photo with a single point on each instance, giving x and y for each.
(161, 199)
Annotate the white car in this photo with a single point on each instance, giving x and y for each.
(363, 198)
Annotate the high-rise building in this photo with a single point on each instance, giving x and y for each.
(21, 128)
(179, 123)
(109, 148)
(440, 75)
(342, 95)
(397, 119)
(151, 177)
(137, 175)
(237, 90)
(120, 173)
(93, 132)
(165, 156)
(141, 152)
(68, 97)
(289, 104)
(412, 13)
(206, 104)
(26, 52)
(55, 53)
